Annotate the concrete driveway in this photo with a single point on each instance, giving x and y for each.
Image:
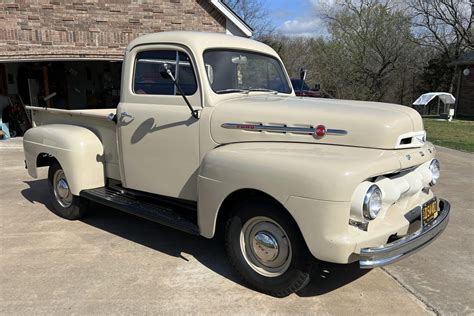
(115, 263)
(443, 275)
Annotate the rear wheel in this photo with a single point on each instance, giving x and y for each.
(266, 247)
(65, 204)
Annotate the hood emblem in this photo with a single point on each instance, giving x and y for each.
(319, 131)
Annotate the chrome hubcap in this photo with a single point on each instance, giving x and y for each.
(61, 189)
(265, 246)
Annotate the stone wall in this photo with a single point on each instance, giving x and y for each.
(94, 28)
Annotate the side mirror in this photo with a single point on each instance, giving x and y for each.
(166, 72)
(303, 74)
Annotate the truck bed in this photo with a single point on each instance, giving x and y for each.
(95, 120)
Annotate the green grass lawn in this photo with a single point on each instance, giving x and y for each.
(456, 134)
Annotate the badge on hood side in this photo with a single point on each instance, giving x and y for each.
(319, 131)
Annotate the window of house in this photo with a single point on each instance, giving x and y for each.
(149, 67)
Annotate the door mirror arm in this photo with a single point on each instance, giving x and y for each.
(302, 77)
(169, 74)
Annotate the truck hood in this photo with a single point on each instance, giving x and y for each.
(276, 118)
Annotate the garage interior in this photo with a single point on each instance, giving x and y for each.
(67, 85)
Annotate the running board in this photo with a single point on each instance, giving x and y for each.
(153, 212)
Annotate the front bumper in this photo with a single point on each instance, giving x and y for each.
(403, 247)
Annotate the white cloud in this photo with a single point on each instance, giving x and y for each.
(317, 3)
(311, 23)
(311, 27)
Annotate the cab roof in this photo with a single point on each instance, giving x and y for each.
(198, 42)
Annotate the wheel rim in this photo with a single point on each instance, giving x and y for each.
(61, 189)
(265, 246)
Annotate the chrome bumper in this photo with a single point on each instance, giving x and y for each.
(403, 247)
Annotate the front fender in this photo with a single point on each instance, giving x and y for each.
(282, 170)
(77, 149)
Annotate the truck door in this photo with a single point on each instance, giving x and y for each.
(158, 137)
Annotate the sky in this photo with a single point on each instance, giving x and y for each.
(297, 17)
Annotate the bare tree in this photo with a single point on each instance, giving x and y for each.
(373, 36)
(294, 51)
(446, 26)
(253, 12)
(371, 53)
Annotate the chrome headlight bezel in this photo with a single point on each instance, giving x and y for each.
(435, 171)
(372, 204)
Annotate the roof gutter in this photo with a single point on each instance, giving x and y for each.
(232, 17)
(462, 63)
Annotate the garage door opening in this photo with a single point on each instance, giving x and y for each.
(67, 85)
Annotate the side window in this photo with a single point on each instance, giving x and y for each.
(148, 69)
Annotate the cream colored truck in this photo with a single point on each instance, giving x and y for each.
(209, 135)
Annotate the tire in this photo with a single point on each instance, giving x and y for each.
(274, 272)
(65, 204)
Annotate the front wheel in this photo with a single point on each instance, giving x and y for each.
(65, 204)
(266, 247)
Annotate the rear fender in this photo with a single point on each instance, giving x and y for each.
(77, 149)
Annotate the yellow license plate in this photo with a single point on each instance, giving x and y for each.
(430, 211)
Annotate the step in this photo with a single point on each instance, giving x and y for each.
(153, 212)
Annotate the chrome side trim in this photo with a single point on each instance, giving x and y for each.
(282, 129)
(403, 247)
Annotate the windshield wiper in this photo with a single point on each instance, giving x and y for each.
(263, 90)
(232, 91)
(246, 90)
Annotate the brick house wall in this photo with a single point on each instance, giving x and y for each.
(99, 29)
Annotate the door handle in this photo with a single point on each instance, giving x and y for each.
(126, 114)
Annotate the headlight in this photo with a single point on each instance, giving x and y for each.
(372, 202)
(435, 173)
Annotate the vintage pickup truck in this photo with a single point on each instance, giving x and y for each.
(209, 135)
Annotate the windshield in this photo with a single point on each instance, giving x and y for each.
(231, 71)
